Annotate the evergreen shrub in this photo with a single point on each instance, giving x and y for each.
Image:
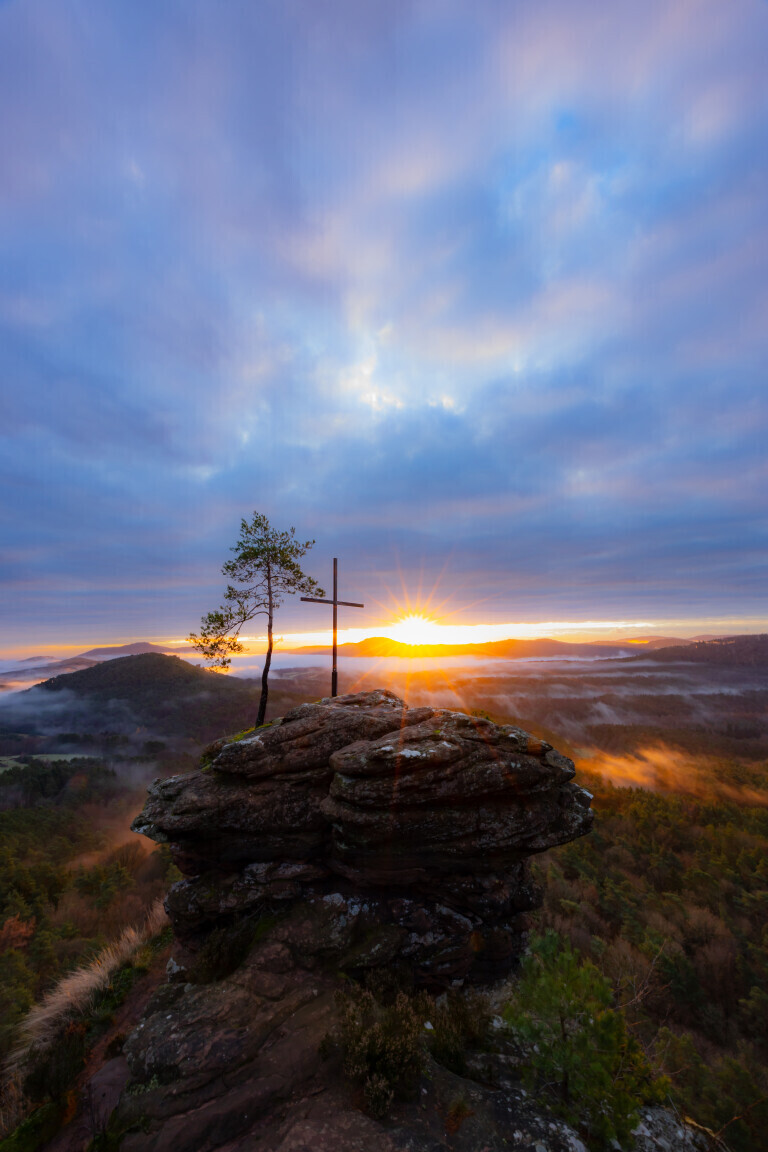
(578, 1050)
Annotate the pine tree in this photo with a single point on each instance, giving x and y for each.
(265, 570)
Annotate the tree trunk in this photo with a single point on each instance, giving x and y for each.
(265, 675)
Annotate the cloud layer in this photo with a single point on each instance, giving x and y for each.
(480, 294)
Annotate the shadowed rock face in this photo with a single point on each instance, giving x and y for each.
(410, 826)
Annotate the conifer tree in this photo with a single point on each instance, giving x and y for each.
(265, 569)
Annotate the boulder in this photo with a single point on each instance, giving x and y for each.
(448, 794)
(260, 798)
(302, 742)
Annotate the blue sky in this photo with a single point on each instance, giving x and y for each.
(474, 294)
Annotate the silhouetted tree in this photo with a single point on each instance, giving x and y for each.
(264, 571)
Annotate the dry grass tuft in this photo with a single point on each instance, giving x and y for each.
(73, 995)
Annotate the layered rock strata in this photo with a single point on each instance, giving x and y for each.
(407, 829)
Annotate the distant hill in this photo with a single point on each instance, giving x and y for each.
(134, 675)
(734, 650)
(494, 650)
(153, 692)
(649, 643)
(137, 649)
(35, 668)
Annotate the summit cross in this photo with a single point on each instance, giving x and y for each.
(335, 602)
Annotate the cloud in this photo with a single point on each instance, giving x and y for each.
(482, 292)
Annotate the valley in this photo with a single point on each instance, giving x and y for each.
(667, 896)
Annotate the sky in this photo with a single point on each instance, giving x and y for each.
(475, 295)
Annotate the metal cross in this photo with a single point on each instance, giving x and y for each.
(335, 602)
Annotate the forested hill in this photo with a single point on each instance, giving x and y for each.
(136, 675)
(737, 650)
(162, 693)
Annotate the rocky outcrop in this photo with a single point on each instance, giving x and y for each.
(352, 834)
(236, 1065)
(411, 825)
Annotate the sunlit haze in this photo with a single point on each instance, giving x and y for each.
(417, 629)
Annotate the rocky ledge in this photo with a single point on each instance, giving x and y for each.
(405, 832)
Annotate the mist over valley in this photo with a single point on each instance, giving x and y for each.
(682, 699)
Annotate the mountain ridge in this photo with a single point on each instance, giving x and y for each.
(744, 650)
(138, 648)
(383, 646)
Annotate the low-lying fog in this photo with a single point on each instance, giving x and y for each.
(634, 721)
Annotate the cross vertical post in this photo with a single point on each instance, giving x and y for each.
(335, 602)
(334, 671)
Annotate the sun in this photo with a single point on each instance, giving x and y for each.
(416, 629)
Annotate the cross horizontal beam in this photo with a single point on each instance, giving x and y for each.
(335, 603)
(346, 603)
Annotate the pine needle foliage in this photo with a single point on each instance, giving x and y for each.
(578, 1050)
(265, 569)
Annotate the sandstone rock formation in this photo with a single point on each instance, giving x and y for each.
(410, 826)
(352, 834)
